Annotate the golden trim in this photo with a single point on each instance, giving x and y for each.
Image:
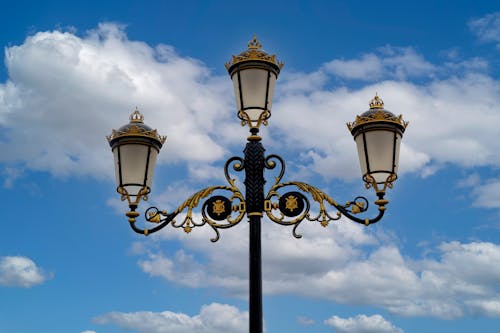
(255, 214)
(267, 205)
(136, 128)
(254, 53)
(376, 102)
(378, 114)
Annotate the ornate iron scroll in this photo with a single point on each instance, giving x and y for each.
(215, 208)
(294, 207)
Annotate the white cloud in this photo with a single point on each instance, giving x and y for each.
(484, 193)
(487, 194)
(213, 318)
(305, 321)
(362, 324)
(17, 271)
(89, 332)
(67, 92)
(343, 263)
(389, 62)
(487, 28)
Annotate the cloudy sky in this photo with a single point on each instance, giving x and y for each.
(72, 72)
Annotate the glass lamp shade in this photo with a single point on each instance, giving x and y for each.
(254, 90)
(254, 74)
(378, 134)
(135, 148)
(134, 166)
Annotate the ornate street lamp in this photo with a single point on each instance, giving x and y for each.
(377, 134)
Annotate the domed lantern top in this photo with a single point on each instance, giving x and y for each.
(254, 73)
(378, 133)
(135, 147)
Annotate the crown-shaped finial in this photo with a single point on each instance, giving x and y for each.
(376, 102)
(136, 116)
(254, 44)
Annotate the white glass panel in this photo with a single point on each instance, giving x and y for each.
(236, 85)
(133, 165)
(380, 146)
(396, 160)
(361, 153)
(254, 88)
(117, 167)
(151, 167)
(272, 82)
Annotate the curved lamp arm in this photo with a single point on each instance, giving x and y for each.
(294, 207)
(215, 209)
(222, 212)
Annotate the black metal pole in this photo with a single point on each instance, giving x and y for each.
(255, 293)
(254, 197)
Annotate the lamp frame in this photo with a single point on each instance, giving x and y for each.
(284, 203)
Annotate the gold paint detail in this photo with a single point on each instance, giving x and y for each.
(188, 224)
(379, 114)
(321, 198)
(218, 207)
(242, 207)
(376, 102)
(136, 128)
(291, 203)
(136, 116)
(154, 217)
(267, 205)
(255, 214)
(379, 188)
(367, 222)
(146, 232)
(254, 53)
(245, 120)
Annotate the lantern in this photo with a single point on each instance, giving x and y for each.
(254, 73)
(378, 134)
(135, 147)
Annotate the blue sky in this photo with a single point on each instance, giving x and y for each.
(72, 72)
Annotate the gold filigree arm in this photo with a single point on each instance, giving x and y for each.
(294, 207)
(218, 211)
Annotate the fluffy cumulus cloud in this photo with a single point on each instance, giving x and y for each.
(350, 266)
(17, 271)
(65, 92)
(487, 28)
(213, 318)
(362, 324)
(389, 62)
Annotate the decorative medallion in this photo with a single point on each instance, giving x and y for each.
(218, 207)
(292, 203)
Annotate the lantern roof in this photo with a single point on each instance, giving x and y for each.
(254, 53)
(377, 113)
(136, 128)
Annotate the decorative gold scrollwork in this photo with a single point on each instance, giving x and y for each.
(286, 204)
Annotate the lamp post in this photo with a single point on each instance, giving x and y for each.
(377, 133)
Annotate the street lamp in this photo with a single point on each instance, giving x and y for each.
(135, 146)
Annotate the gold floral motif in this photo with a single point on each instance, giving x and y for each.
(291, 203)
(254, 52)
(218, 207)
